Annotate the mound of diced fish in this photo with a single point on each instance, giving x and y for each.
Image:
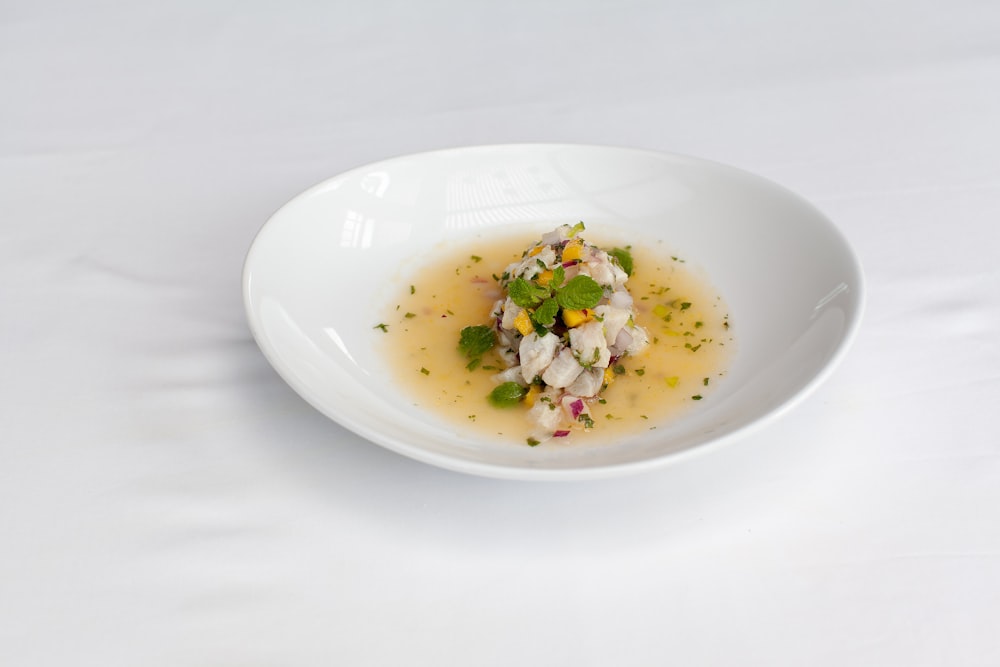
(565, 367)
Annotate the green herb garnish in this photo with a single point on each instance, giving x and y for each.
(579, 293)
(624, 258)
(526, 294)
(558, 276)
(546, 313)
(507, 394)
(476, 341)
(382, 326)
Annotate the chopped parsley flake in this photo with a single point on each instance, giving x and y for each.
(384, 327)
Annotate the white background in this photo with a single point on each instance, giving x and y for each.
(166, 500)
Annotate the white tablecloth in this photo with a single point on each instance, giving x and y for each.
(165, 499)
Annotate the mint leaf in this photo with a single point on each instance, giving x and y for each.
(546, 313)
(474, 342)
(526, 294)
(579, 293)
(507, 394)
(624, 258)
(558, 276)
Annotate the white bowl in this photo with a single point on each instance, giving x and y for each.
(793, 285)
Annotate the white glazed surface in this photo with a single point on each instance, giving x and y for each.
(323, 268)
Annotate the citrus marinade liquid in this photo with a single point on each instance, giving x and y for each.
(687, 322)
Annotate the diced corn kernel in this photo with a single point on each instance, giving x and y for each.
(574, 318)
(545, 277)
(609, 376)
(672, 381)
(534, 251)
(523, 323)
(572, 251)
(533, 392)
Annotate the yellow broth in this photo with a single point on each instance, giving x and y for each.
(688, 352)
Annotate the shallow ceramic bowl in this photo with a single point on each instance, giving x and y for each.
(792, 283)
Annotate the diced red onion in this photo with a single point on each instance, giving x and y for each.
(560, 434)
(576, 407)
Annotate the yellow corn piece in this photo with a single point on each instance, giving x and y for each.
(523, 323)
(609, 377)
(672, 381)
(533, 392)
(544, 278)
(534, 251)
(572, 251)
(574, 318)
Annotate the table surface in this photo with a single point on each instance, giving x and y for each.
(168, 500)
